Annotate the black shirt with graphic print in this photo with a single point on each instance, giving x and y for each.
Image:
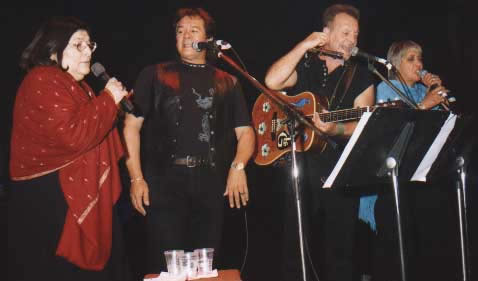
(177, 101)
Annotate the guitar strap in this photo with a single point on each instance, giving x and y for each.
(347, 77)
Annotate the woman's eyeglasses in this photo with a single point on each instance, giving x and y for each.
(81, 46)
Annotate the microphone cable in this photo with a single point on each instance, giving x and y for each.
(239, 59)
(310, 260)
(246, 251)
(246, 226)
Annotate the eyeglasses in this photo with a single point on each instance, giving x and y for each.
(81, 46)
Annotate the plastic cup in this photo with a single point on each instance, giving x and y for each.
(205, 257)
(173, 261)
(189, 263)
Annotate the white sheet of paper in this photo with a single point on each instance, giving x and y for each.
(432, 153)
(353, 139)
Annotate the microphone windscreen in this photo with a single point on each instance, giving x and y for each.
(422, 73)
(98, 69)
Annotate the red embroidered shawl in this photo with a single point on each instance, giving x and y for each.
(59, 124)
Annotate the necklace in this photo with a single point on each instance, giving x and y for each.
(193, 65)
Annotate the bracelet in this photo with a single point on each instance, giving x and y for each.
(137, 179)
(340, 129)
(420, 106)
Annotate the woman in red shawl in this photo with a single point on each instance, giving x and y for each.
(63, 163)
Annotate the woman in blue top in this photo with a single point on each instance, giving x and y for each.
(423, 88)
(429, 228)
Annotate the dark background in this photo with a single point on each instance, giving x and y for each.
(133, 34)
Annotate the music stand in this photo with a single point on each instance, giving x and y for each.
(463, 142)
(405, 136)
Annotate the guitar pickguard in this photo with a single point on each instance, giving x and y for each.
(283, 140)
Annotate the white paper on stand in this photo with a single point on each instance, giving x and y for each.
(348, 148)
(432, 153)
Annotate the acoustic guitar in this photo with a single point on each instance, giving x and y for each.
(270, 124)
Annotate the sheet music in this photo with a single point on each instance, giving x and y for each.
(432, 153)
(348, 148)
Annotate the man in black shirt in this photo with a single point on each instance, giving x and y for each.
(346, 85)
(188, 144)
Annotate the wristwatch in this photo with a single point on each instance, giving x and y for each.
(237, 165)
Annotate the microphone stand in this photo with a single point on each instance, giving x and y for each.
(462, 215)
(294, 117)
(405, 99)
(460, 167)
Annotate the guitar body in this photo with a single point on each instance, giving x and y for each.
(272, 135)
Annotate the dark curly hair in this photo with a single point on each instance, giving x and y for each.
(209, 23)
(52, 38)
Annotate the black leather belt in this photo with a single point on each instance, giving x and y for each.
(191, 161)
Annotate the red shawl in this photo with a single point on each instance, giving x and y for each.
(59, 124)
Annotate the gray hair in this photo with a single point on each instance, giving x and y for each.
(397, 51)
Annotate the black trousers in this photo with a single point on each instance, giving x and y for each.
(186, 212)
(330, 223)
(36, 215)
(335, 229)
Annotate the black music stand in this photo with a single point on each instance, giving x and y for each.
(456, 162)
(386, 139)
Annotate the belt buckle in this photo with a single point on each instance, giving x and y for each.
(190, 162)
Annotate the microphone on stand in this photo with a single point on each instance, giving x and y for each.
(211, 44)
(449, 99)
(356, 52)
(99, 71)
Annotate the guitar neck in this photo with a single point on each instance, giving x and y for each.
(345, 114)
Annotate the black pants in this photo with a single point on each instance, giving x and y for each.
(186, 213)
(330, 222)
(335, 229)
(36, 215)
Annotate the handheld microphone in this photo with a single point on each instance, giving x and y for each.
(211, 44)
(448, 99)
(325, 52)
(422, 74)
(99, 71)
(356, 52)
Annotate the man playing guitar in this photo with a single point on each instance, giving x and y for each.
(345, 85)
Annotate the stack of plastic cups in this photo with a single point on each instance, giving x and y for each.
(173, 261)
(205, 258)
(189, 263)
